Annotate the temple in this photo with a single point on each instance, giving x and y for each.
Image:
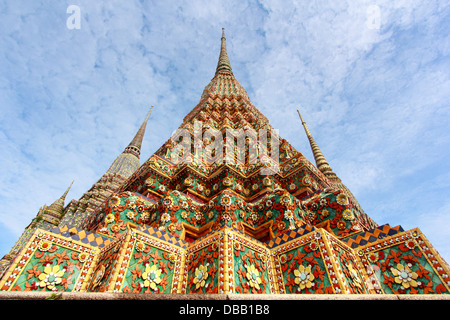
(225, 205)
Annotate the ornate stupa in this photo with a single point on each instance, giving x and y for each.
(226, 205)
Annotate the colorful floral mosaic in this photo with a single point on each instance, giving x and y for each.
(250, 267)
(202, 267)
(302, 267)
(51, 263)
(405, 264)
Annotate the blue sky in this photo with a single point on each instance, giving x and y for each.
(372, 80)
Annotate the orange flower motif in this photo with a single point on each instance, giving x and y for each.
(373, 257)
(82, 257)
(140, 246)
(115, 228)
(109, 218)
(226, 200)
(45, 245)
(341, 225)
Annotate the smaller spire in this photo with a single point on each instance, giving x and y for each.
(55, 211)
(63, 197)
(321, 162)
(135, 145)
(224, 62)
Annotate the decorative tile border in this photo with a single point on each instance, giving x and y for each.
(228, 261)
(37, 260)
(138, 244)
(259, 264)
(410, 252)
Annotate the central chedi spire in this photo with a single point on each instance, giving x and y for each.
(228, 227)
(224, 61)
(223, 93)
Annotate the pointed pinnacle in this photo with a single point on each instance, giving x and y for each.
(135, 145)
(321, 162)
(67, 191)
(56, 209)
(224, 61)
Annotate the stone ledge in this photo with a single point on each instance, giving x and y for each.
(28, 295)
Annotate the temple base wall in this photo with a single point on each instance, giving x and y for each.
(308, 260)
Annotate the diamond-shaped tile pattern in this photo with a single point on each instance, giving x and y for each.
(161, 235)
(83, 236)
(290, 235)
(373, 235)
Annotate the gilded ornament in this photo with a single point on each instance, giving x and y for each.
(348, 214)
(98, 276)
(114, 201)
(227, 182)
(342, 199)
(354, 276)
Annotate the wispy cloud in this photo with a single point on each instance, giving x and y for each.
(375, 99)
